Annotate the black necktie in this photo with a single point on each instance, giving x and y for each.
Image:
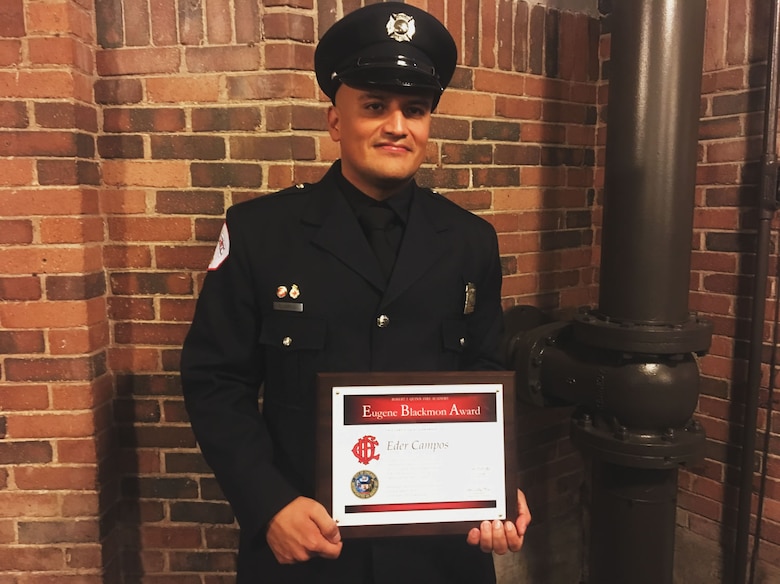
(377, 221)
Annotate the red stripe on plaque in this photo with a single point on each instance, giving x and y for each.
(412, 409)
(438, 506)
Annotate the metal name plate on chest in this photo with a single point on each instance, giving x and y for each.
(289, 306)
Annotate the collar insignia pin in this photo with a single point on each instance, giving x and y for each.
(400, 27)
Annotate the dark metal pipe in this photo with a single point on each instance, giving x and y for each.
(630, 508)
(628, 365)
(654, 90)
(649, 393)
(656, 55)
(767, 208)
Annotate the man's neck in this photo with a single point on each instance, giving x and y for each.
(378, 192)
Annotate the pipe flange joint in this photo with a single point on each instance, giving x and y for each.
(596, 330)
(617, 444)
(527, 349)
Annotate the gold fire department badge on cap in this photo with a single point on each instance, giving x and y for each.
(400, 27)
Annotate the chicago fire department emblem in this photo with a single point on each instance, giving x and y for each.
(365, 449)
(365, 484)
(222, 250)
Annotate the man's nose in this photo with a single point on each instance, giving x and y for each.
(396, 122)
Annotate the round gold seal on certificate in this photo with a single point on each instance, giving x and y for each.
(365, 484)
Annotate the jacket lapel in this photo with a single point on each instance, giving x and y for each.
(337, 231)
(422, 245)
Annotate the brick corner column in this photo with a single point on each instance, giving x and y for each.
(57, 492)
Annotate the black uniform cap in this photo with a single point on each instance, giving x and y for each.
(388, 44)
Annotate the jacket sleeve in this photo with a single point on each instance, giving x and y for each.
(221, 372)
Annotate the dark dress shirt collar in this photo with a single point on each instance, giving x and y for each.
(400, 202)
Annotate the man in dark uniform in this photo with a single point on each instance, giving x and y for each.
(362, 271)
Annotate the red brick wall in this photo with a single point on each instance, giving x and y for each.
(723, 263)
(126, 129)
(58, 490)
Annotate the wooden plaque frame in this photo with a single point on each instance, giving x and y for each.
(326, 382)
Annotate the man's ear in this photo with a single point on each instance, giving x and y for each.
(334, 125)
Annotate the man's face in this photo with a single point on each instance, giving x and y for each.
(383, 136)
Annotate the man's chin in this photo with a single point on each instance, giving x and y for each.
(392, 182)
(391, 174)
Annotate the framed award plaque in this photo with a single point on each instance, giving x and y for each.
(416, 453)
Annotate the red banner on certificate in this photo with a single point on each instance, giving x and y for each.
(436, 506)
(423, 408)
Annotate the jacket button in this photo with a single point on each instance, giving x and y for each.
(287, 341)
(462, 341)
(382, 321)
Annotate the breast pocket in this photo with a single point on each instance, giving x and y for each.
(454, 340)
(294, 347)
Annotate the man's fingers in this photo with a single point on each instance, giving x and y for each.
(486, 536)
(329, 551)
(513, 537)
(498, 538)
(329, 545)
(301, 530)
(523, 513)
(473, 536)
(326, 524)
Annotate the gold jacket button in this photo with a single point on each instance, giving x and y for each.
(382, 321)
(287, 341)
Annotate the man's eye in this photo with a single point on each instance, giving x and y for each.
(374, 106)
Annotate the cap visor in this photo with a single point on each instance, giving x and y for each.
(391, 78)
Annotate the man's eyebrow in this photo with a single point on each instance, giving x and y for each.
(409, 99)
(421, 100)
(374, 95)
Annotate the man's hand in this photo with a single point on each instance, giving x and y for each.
(302, 530)
(498, 537)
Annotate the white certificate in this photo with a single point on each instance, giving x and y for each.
(424, 452)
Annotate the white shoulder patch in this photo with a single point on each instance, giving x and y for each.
(222, 250)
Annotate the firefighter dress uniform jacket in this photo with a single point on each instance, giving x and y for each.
(294, 289)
